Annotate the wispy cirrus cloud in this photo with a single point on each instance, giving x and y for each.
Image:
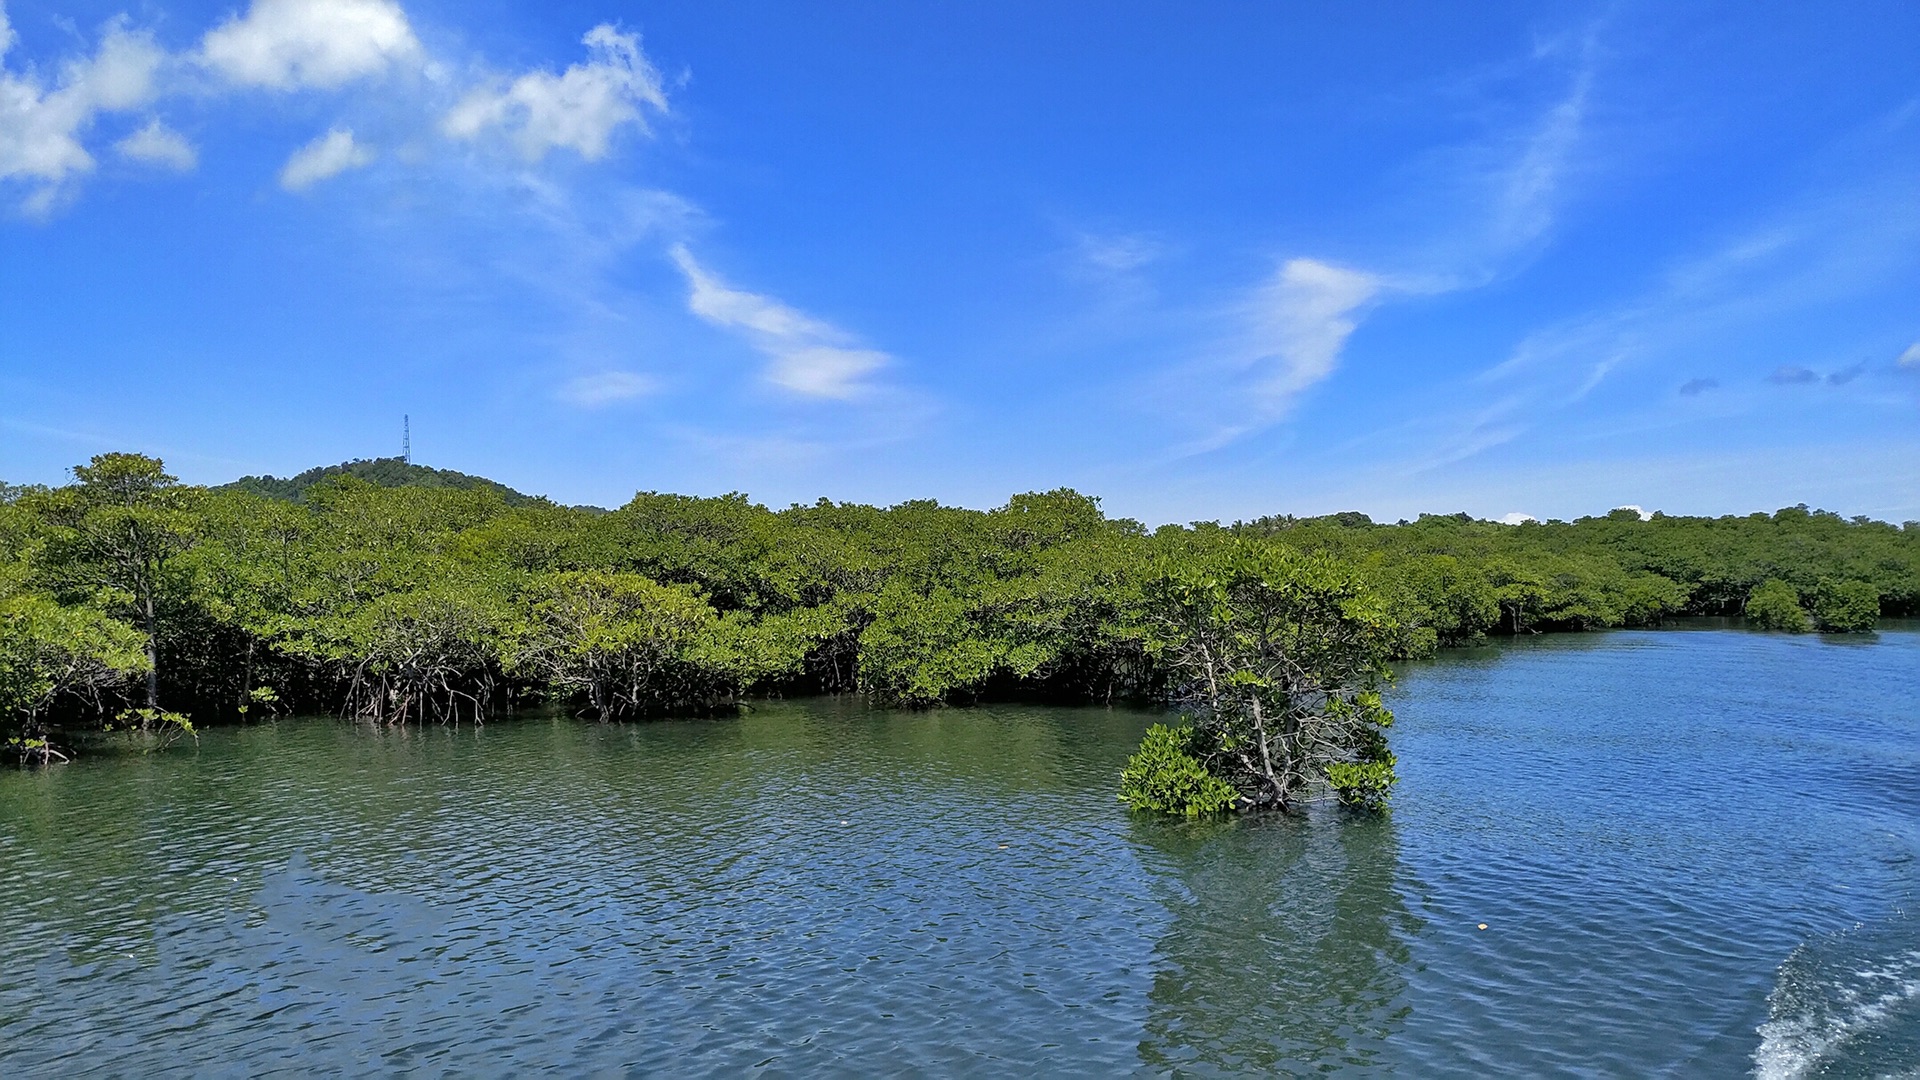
(1113, 254)
(1286, 336)
(1825, 249)
(806, 356)
(1506, 192)
(1502, 196)
(604, 388)
(1301, 320)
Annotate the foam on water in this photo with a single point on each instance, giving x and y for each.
(1846, 1004)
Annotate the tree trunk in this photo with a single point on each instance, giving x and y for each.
(246, 679)
(1275, 790)
(153, 655)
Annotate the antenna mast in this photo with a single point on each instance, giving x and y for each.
(406, 439)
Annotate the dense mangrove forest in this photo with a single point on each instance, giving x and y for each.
(401, 594)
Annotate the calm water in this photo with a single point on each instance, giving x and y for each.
(1694, 853)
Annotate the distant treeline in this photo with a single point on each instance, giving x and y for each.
(126, 597)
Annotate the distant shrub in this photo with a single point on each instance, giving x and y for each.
(1847, 607)
(1164, 775)
(1775, 605)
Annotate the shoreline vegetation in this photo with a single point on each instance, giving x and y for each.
(401, 594)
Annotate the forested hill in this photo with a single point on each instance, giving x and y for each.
(387, 472)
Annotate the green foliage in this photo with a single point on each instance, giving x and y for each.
(53, 655)
(1365, 783)
(111, 539)
(259, 697)
(922, 647)
(403, 594)
(164, 728)
(1441, 600)
(1167, 777)
(1618, 570)
(434, 652)
(1846, 607)
(629, 646)
(390, 472)
(1775, 605)
(1278, 656)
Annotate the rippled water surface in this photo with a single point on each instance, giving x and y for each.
(1694, 853)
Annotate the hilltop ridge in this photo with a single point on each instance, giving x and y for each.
(389, 472)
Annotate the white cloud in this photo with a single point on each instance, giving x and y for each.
(47, 112)
(40, 129)
(1292, 330)
(605, 388)
(1517, 518)
(1481, 208)
(1528, 192)
(327, 156)
(325, 44)
(158, 144)
(808, 357)
(1301, 321)
(121, 75)
(1112, 255)
(1494, 201)
(579, 109)
(1911, 358)
(1832, 247)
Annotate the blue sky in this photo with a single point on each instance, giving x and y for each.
(1203, 260)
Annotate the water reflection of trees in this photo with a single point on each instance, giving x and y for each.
(1286, 949)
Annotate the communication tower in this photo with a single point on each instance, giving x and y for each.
(406, 439)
